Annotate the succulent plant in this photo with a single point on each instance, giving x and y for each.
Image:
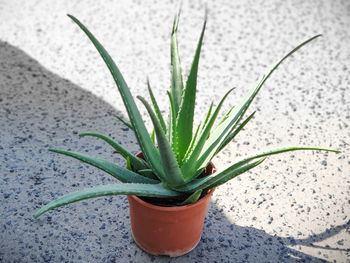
(175, 154)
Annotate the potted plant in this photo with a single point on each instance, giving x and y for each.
(169, 183)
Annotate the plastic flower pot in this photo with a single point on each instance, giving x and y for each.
(171, 231)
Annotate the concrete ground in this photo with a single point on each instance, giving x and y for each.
(53, 85)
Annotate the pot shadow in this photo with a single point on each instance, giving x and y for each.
(39, 110)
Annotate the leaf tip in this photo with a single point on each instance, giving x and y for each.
(175, 24)
(71, 16)
(259, 162)
(38, 213)
(140, 98)
(54, 150)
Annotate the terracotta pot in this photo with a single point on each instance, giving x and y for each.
(171, 231)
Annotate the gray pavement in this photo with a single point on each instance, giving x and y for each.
(53, 85)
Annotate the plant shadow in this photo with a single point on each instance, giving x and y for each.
(39, 110)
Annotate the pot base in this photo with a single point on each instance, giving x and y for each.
(170, 253)
(169, 231)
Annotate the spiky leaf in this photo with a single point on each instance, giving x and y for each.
(127, 124)
(172, 123)
(128, 163)
(207, 116)
(136, 162)
(176, 75)
(192, 198)
(151, 190)
(148, 149)
(219, 134)
(153, 136)
(191, 160)
(233, 133)
(184, 119)
(193, 142)
(208, 182)
(122, 174)
(146, 172)
(169, 162)
(236, 169)
(156, 107)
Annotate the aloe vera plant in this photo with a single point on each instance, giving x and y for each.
(176, 153)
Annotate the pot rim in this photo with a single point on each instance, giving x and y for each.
(173, 208)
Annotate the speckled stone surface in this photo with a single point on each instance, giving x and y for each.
(53, 85)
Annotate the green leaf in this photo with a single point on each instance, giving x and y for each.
(192, 198)
(172, 123)
(209, 122)
(219, 134)
(146, 172)
(208, 115)
(288, 149)
(211, 181)
(172, 170)
(216, 138)
(198, 130)
(193, 142)
(151, 190)
(190, 163)
(153, 138)
(236, 169)
(116, 171)
(156, 108)
(176, 75)
(226, 177)
(136, 162)
(128, 163)
(128, 124)
(184, 119)
(224, 180)
(233, 134)
(148, 149)
(225, 117)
